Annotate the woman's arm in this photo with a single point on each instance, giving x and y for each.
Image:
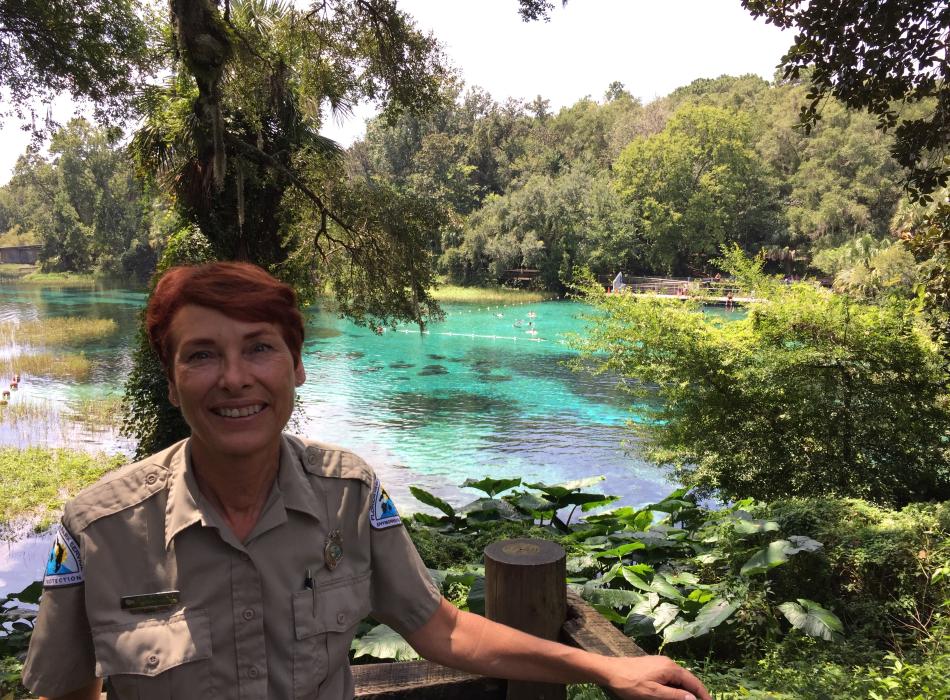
(472, 643)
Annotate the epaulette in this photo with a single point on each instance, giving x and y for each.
(322, 459)
(120, 489)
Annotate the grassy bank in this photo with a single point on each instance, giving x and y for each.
(31, 274)
(36, 481)
(453, 294)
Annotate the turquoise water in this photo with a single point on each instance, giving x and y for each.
(473, 396)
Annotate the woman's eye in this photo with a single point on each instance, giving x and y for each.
(261, 347)
(199, 355)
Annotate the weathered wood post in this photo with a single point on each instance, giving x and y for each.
(525, 588)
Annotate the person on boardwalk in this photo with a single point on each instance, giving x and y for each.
(239, 562)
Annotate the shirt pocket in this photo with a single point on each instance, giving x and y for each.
(157, 659)
(325, 621)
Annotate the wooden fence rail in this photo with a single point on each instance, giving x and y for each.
(518, 579)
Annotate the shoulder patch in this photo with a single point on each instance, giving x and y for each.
(64, 565)
(382, 511)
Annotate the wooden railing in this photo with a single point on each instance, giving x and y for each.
(524, 587)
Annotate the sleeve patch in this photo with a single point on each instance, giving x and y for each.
(64, 565)
(382, 512)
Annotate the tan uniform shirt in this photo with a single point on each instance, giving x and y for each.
(245, 623)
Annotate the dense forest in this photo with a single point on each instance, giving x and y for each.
(610, 184)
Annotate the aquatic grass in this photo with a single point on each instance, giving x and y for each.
(37, 481)
(97, 414)
(66, 330)
(454, 294)
(31, 412)
(59, 279)
(45, 364)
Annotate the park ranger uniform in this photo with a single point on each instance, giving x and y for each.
(148, 587)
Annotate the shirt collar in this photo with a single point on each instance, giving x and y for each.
(292, 490)
(181, 507)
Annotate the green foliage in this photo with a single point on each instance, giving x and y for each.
(383, 642)
(149, 417)
(844, 48)
(810, 393)
(16, 626)
(36, 480)
(83, 205)
(93, 51)
(694, 186)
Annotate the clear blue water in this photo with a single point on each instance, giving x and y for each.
(473, 396)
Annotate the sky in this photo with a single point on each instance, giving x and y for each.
(651, 46)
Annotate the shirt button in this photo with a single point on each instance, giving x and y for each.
(248, 614)
(340, 618)
(245, 556)
(252, 672)
(151, 479)
(152, 660)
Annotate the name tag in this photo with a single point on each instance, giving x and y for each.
(150, 602)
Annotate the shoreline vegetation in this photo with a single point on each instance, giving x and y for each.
(37, 481)
(455, 294)
(31, 275)
(51, 332)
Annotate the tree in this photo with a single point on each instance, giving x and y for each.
(809, 394)
(888, 58)
(94, 50)
(693, 187)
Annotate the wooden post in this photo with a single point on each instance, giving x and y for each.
(525, 589)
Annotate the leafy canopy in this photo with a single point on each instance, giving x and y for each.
(808, 393)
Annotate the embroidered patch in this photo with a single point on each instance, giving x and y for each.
(382, 512)
(64, 566)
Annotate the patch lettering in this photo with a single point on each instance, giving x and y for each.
(64, 565)
(382, 512)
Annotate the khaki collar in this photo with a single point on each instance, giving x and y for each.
(292, 490)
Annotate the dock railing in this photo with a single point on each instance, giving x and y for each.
(525, 588)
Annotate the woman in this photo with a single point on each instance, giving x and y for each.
(238, 562)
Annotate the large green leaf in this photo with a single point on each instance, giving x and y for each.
(383, 642)
(678, 631)
(491, 486)
(532, 503)
(431, 500)
(619, 551)
(614, 597)
(664, 614)
(812, 619)
(638, 625)
(631, 577)
(603, 501)
(800, 543)
(751, 527)
(489, 509)
(666, 589)
(775, 554)
(713, 614)
(476, 596)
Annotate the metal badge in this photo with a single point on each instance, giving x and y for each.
(150, 602)
(333, 549)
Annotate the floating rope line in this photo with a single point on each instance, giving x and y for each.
(474, 335)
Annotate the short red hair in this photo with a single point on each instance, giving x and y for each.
(241, 291)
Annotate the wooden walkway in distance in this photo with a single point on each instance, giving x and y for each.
(705, 299)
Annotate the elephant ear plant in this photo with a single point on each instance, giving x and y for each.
(666, 573)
